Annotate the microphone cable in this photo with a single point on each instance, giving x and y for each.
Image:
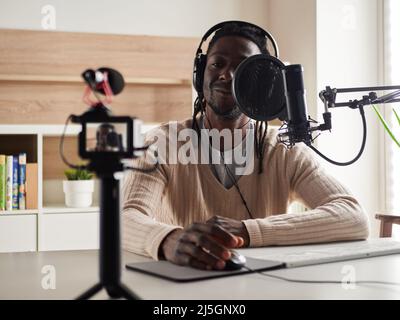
(61, 148)
(230, 174)
(389, 283)
(234, 181)
(361, 149)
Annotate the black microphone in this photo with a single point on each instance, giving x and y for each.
(95, 79)
(258, 88)
(265, 89)
(298, 125)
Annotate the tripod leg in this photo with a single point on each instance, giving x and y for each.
(128, 294)
(121, 291)
(90, 292)
(114, 291)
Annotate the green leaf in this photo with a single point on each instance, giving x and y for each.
(397, 116)
(386, 126)
(78, 174)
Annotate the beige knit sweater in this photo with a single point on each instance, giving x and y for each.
(174, 196)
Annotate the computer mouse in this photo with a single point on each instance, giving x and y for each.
(236, 261)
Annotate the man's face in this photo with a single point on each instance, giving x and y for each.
(222, 60)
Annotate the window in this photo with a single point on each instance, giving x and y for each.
(392, 76)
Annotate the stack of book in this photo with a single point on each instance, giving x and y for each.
(14, 180)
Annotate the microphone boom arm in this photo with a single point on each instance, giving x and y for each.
(329, 96)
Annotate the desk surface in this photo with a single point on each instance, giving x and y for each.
(21, 278)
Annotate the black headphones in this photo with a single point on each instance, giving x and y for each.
(200, 60)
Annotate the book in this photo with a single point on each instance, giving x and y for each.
(3, 170)
(22, 181)
(9, 185)
(15, 205)
(31, 186)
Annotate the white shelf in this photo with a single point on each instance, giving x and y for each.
(18, 212)
(54, 129)
(55, 209)
(45, 129)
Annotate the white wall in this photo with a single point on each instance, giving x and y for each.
(337, 42)
(293, 24)
(189, 18)
(347, 56)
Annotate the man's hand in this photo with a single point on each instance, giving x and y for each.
(233, 226)
(201, 245)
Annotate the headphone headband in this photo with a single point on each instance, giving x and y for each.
(241, 23)
(200, 59)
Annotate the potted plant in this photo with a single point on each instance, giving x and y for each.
(386, 126)
(78, 188)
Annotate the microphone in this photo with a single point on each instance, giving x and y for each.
(96, 79)
(265, 89)
(258, 88)
(297, 128)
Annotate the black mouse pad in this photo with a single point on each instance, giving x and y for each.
(170, 271)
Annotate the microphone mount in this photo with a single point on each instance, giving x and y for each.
(328, 97)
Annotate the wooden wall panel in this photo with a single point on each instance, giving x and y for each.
(24, 52)
(54, 167)
(41, 103)
(40, 80)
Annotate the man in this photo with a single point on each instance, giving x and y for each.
(193, 214)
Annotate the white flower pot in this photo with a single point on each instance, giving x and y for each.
(78, 193)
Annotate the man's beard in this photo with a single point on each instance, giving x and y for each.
(231, 114)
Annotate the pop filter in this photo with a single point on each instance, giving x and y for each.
(258, 88)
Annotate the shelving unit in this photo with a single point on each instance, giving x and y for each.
(52, 226)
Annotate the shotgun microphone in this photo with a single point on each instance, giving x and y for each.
(96, 79)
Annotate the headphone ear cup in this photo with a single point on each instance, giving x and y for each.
(198, 72)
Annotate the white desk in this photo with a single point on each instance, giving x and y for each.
(21, 278)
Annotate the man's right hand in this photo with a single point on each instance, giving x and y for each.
(201, 246)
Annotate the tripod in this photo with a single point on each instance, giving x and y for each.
(110, 257)
(105, 161)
